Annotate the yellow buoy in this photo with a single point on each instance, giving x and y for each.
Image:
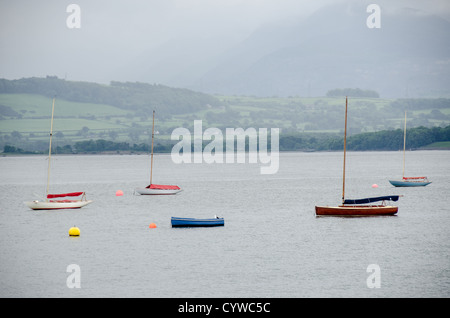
(74, 231)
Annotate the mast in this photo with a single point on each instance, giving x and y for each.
(404, 147)
(50, 150)
(345, 142)
(153, 135)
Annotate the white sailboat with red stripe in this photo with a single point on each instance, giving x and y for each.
(157, 189)
(62, 201)
(409, 181)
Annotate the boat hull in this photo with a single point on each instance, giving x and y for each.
(147, 191)
(396, 183)
(191, 222)
(57, 205)
(354, 210)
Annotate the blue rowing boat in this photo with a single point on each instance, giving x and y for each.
(191, 222)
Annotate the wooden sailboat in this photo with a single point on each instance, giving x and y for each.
(359, 207)
(409, 181)
(156, 189)
(60, 203)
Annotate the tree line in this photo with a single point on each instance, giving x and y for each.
(352, 92)
(382, 140)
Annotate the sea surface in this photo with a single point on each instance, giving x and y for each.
(272, 244)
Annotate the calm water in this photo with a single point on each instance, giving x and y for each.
(272, 244)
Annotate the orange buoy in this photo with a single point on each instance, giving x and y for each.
(152, 226)
(119, 193)
(374, 185)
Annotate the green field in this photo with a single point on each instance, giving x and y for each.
(36, 105)
(70, 118)
(37, 126)
(26, 117)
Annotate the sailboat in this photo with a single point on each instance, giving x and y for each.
(409, 181)
(60, 203)
(157, 189)
(358, 207)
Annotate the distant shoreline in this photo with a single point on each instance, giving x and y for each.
(129, 153)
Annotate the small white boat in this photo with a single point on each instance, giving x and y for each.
(60, 204)
(409, 181)
(156, 189)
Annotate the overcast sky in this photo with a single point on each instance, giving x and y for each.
(35, 39)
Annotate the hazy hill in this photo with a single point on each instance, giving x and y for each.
(138, 97)
(407, 57)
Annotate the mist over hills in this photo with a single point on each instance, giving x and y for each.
(409, 56)
(261, 48)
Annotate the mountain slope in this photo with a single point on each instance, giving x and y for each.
(409, 56)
